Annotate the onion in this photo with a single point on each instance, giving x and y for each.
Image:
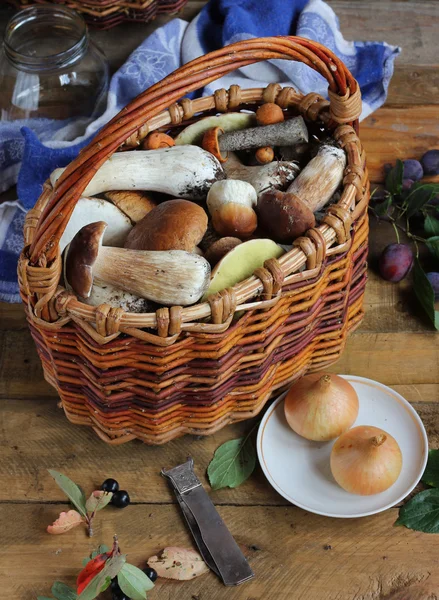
(321, 407)
(366, 460)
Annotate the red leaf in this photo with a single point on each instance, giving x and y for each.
(89, 572)
(65, 522)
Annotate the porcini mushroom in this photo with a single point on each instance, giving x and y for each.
(181, 171)
(220, 248)
(156, 140)
(287, 133)
(172, 277)
(230, 203)
(173, 225)
(104, 293)
(269, 113)
(193, 133)
(271, 176)
(89, 210)
(134, 204)
(286, 215)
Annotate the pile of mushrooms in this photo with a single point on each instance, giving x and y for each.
(154, 224)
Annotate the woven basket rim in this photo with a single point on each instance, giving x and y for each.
(295, 254)
(334, 228)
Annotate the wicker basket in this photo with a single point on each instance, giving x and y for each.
(104, 14)
(193, 370)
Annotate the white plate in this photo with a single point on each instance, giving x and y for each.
(299, 469)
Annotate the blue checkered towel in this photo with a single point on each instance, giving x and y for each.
(220, 22)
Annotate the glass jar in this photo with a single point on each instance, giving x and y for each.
(50, 68)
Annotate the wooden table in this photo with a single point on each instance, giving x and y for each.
(295, 555)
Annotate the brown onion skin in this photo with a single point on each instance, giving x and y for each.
(366, 460)
(320, 407)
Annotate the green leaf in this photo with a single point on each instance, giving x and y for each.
(98, 500)
(103, 579)
(425, 294)
(43, 598)
(61, 591)
(382, 208)
(233, 463)
(394, 178)
(433, 245)
(133, 582)
(431, 225)
(418, 195)
(72, 491)
(431, 473)
(421, 512)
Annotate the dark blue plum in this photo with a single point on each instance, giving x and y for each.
(433, 278)
(430, 162)
(413, 169)
(407, 184)
(395, 262)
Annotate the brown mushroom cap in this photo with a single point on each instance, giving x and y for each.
(81, 256)
(211, 143)
(269, 113)
(173, 225)
(220, 248)
(284, 216)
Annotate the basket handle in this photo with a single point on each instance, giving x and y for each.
(345, 107)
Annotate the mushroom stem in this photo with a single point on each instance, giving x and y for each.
(182, 171)
(273, 175)
(318, 181)
(171, 277)
(286, 133)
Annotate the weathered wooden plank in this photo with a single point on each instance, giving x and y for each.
(36, 436)
(295, 555)
(398, 132)
(12, 316)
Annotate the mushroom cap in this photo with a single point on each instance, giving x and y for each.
(211, 143)
(133, 203)
(284, 216)
(220, 248)
(269, 113)
(173, 225)
(81, 256)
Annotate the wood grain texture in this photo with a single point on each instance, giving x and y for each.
(295, 555)
(35, 436)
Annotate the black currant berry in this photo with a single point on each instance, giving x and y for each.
(110, 485)
(120, 499)
(119, 595)
(150, 573)
(114, 585)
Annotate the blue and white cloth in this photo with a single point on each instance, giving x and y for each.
(221, 22)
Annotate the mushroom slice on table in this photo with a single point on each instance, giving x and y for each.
(90, 210)
(181, 171)
(173, 225)
(171, 277)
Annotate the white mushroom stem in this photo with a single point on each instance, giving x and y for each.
(273, 175)
(318, 181)
(182, 171)
(89, 210)
(171, 277)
